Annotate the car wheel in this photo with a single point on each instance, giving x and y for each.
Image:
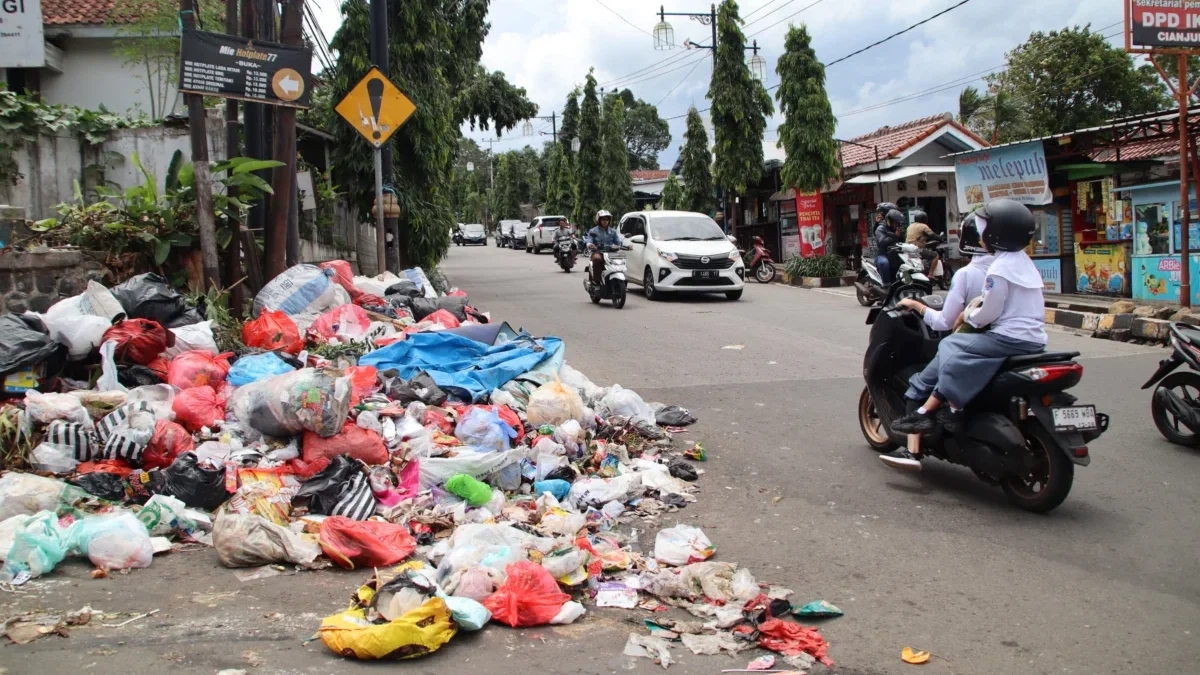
(648, 287)
(734, 295)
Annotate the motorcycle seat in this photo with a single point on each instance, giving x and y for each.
(1188, 332)
(1026, 360)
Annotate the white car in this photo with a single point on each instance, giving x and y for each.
(541, 233)
(681, 251)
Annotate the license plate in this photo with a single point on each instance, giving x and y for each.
(1076, 418)
(705, 274)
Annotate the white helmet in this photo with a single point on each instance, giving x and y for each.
(602, 214)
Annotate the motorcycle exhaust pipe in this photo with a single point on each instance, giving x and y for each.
(1179, 408)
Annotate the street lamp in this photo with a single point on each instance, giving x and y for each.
(757, 64)
(664, 33)
(527, 128)
(553, 119)
(575, 144)
(664, 36)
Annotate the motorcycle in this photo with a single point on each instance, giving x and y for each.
(612, 281)
(565, 252)
(1175, 405)
(1024, 432)
(759, 263)
(869, 287)
(937, 265)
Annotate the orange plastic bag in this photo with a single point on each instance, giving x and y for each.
(168, 441)
(273, 330)
(529, 596)
(139, 340)
(198, 368)
(358, 443)
(446, 319)
(344, 276)
(364, 381)
(198, 407)
(365, 543)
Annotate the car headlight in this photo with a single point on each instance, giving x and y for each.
(668, 256)
(734, 255)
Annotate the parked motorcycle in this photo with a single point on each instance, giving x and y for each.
(565, 251)
(612, 282)
(758, 262)
(1024, 432)
(869, 287)
(1175, 405)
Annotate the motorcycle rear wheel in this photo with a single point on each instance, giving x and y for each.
(1187, 386)
(871, 424)
(862, 297)
(1048, 481)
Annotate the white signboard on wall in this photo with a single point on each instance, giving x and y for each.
(21, 42)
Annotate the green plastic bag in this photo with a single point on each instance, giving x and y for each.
(37, 548)
(475, 492)
(817, 609)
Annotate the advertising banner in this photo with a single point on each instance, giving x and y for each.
(810, 218)
(1164, 23)
(1104, 270)
(21, 39)
(1016, 172)
(1051, 270)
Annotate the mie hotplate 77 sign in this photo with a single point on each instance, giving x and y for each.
(1164, 23)
(215, 64)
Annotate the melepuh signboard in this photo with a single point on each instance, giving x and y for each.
(1164, 23)
(1016, 172)
(216, 64)
(21, 42)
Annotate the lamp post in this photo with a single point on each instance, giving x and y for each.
(527, 128)
(664, 38)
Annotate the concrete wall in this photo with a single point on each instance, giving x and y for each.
(94, 76)
(34, 281)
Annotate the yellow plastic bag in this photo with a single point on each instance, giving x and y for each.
(553, 403)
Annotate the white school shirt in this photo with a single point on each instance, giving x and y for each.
(1011, 310)
(966, 285)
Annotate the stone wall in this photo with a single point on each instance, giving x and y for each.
(34, 281)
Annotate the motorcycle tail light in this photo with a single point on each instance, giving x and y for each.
(1080, 452)
(1050, 373)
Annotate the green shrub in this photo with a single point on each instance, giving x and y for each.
(817, 266)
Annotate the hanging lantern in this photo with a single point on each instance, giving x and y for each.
(527, 128)
(391, 206)
(664, 36)
(758, 67)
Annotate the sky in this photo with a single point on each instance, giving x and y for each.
(547, 47)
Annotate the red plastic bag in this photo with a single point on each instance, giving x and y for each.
(347, 322)
(443, 317)
(792, 639)
(198, 407)
(198, 368)
(305, 470)
(344, 276)
(369, 300)
(352, 440)
(441, 421)
(118, 466)
(365, 543)
(160, 366)
(139, 340)
(457, 293)
(529, 597)
(364, 381)
(273, 330)
(507, 414)
(168, 441)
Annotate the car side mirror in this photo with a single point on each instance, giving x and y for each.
(638, 239)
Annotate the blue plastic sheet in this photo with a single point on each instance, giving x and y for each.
(257, 367)
(462, 366)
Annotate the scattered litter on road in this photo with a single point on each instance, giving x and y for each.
(818, 609)
(130, 620)
(909, 655)
(734, 347)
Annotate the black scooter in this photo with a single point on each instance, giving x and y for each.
(1176, 402)
(1023, 432)
(565, 251)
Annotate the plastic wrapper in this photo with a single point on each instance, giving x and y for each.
(198, 369)
(357, 443)
(310, 399)
(484, 431)
(112, 542)
(27, 343)
(353, 544)
(249, 540)
(138, 341)
(273, 330)
(529, 596)
(554, 404)
(150, 296)
(347, 323)
(682, 545)
(46, 408)
(254, 367)
(625, 403)
(302, 292)
(168, 442)
(420, 632)
(198, 407)
(53, 458)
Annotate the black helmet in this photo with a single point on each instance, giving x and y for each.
(919, 216)
(1008, 226)
(969, 241)
(882, 208)
(896, 218)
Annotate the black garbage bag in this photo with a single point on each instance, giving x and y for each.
(186, 480)
(684, 471)
(108, 486)
(26, 343)
(562, 473)
(403, 287)
(674, 416)
(136, 376)
(455, 304)
(420, 388)
(325, 489)
(150, 296)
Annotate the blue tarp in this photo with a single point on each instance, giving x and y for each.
(462, 366)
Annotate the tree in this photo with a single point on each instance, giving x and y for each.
(570, 124)
(672, 195)
(508, 187)
(806, 134)
(1070, 79)
(588, 196)
(646, 134)
(557, 181)
(616, 186)
(970, 104)
(434, 48)
(739, 110)
(697, 166)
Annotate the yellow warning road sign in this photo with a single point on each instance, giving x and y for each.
(375, 108)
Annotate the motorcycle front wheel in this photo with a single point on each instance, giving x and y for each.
(1186, 386)
(618, 294)
(1049, 476)
(764, 273)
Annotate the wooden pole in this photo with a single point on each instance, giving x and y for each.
(1183, 92)
(233, 252)
(282, 177)
(203, 179)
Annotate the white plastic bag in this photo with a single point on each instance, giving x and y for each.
(303, 292)
(570, 613)
(626, 403)
(27, 494)
(82, 334)
(249, 540)
(108, 368)
(53, 458)
(554, 404)
(586, 388)
(376, 285)
(198, 336)
(112, 542)
(480, 465)
(681, 545)
(45, 408)
(599, 491)
(484, 431)
(95, 301)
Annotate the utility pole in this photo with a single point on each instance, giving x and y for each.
(379, 57)
(283, 177)
(233, 252)
(491, 179)
(203, 179)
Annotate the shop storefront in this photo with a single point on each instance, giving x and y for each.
(847, 212)
(1152, 217)
(1053, 229)
(1103, 241)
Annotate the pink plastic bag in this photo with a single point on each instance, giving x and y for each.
(446, 319)
(529, 596)
(366, 543)
(344, 276)
(364, 381)
(347, 322)
(353, 440)
(198, 368)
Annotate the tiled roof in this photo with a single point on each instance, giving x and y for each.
(649, 174)
(80, 12)
(894, 140)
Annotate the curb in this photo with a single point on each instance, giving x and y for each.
(1117, 327)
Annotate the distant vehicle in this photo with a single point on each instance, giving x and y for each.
(542, 232)
(672, 251)
(473, 234)
(504, 233)
(517, 235)
(456, 234)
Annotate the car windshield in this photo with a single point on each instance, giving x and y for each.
(473, 229)
(686, 228)
(520, 228)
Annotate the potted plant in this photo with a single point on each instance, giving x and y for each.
(817, 271)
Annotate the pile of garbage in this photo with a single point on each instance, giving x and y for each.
(368, 423)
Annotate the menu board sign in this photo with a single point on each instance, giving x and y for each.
(216, 64)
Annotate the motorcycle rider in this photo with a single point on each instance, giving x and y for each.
(966, 285)
(1013, 313)
(887, 235)
(600, 238)
(564, 232)
(920, 235)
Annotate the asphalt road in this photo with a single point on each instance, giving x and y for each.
(939, 561)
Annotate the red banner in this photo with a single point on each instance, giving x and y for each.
(810, 218)
(1164, 23)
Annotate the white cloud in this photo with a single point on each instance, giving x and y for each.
(547, 47)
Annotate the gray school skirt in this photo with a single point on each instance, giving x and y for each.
(965, 364)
